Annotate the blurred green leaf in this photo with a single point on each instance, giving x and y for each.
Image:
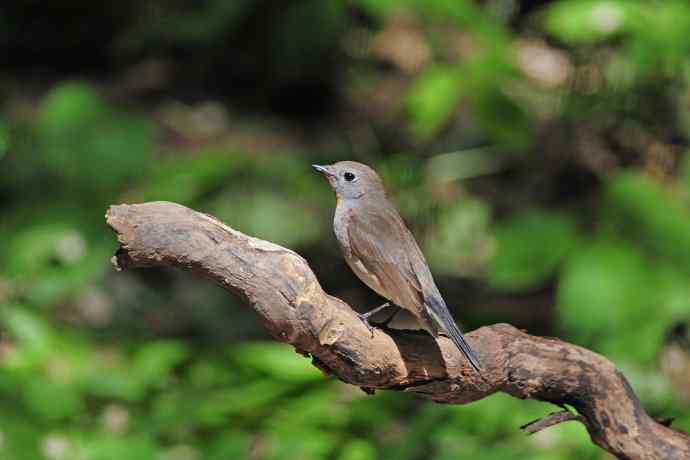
(605, 296)
(4, 138)
(52, 262)
(378, 6)
(36, 249)
(433, 98)
(81, 137)
(154, 362)
(494, 417)
(658, 41)
(270, 216)
(255, 400)
(52, 400)
(306, 36)
(599, 283)
(318, 408)
(650, 215)
(185, 180)
(30, 331)
(587, 21)
(530, 247)
(277, 360)
(290, 443)
(506, 122)
(461, 240)
(229, 445)
(414, 443)
(357, 450)
(195, 26)
(137, 447)
(685, 174)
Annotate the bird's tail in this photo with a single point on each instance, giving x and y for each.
(445, 322)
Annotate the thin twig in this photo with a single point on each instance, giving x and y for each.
(554, 418)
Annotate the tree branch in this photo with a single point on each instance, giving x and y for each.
(281, 287)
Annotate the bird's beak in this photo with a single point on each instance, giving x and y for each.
(325, 170)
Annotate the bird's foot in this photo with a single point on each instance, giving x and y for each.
(365, 317)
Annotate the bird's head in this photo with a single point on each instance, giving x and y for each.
(351, 180)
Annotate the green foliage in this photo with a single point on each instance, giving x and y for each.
(530, 248)
(4, 138)
(654, 39)
(298, 53)
(586, 22)
(643, 210)
(200, 26)
(275, 361)
(434, 98)
(79, 135)
(602, 286)
(461, 238)
(548, 162)
(184, 180)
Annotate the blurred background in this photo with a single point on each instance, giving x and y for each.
(538, 150)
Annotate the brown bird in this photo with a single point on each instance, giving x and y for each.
(382, 252)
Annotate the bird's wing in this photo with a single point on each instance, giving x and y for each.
(385, 247)
(380, 241)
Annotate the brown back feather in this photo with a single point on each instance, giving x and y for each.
(381, 241)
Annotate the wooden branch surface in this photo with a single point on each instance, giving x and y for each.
(283, 290)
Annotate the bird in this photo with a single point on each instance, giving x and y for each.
(383, 253)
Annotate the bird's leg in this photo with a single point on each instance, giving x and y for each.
(365, 316)
(388, 320)
(371, 313)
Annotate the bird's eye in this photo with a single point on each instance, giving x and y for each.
(349, 176)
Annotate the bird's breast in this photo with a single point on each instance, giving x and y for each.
(340, 222)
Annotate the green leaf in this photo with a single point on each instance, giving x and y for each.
(4, 138)
(587, 21)
(461, 240)
(685, 172)
(70, 103)
(503, 120)
(52, 400)
(38, 248)
(530, 247)
(53, 261)
(277, 360)
(27, 328)
(644, 211)
(270, 216)
(135, 447)
(358, 450)
(80, 137)
(318, 408)
(289, 442)
(433, 99)
(184, 180)
(153, 363)
(378, 7)
(229, 445)
(257, 398)
(606, 295)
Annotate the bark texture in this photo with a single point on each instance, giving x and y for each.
(281, 287)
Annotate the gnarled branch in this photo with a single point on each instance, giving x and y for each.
(281, 287)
